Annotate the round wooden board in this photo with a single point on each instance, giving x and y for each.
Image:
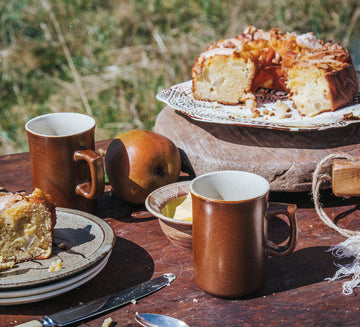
(286, 159)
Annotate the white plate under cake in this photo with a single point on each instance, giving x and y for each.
(180, 97)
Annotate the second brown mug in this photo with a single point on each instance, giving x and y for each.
(230, 231)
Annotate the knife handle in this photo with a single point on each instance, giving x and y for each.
(32, 323)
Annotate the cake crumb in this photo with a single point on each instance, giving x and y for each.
(255, 113)
(56, 265)
(107, 322)
(282, 110)
(6, 265)
(250, 104)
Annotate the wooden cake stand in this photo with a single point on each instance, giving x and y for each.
(286, 159)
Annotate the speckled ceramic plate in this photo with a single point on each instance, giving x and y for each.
(34, 294)
(87, 238)
(180, 98)
(61, 284)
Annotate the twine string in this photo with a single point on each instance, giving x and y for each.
(351, 246)
(320, 177)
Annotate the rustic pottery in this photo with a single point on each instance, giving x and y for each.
(63, 161)
(230, 244)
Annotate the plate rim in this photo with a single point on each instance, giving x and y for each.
(53, 293)
(40, 289)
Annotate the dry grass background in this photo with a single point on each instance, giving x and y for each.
(110, 58)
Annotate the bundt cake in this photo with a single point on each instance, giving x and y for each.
(318, 76)
(26, 226)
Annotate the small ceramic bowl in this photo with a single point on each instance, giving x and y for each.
(177, 231)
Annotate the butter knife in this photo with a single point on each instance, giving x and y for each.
(101, 305)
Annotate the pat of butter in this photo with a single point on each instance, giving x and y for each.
(184, 210)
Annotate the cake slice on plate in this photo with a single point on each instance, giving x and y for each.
(26, 226)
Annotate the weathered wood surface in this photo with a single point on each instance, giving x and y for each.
(286, 159)
(294, 294)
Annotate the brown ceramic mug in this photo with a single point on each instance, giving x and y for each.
(230, 219)
(63, 159)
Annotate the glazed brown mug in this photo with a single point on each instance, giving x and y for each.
(230, 244)
(63, 160)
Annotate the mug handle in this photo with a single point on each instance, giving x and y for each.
(288, 210)
(95, 188)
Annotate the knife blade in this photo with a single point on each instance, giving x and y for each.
(103, 304)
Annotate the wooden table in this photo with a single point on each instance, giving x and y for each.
(294, 294)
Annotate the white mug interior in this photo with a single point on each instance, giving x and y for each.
(229, 185)
(60, 124)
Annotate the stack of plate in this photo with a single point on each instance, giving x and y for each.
(88, 241)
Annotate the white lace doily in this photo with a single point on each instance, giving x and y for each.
(180, 98)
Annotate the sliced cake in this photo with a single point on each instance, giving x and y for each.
(26, 226)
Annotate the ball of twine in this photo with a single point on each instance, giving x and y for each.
(320, 177)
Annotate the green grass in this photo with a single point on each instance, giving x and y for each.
(125, 52)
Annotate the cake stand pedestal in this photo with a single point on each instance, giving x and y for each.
(286, 159)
